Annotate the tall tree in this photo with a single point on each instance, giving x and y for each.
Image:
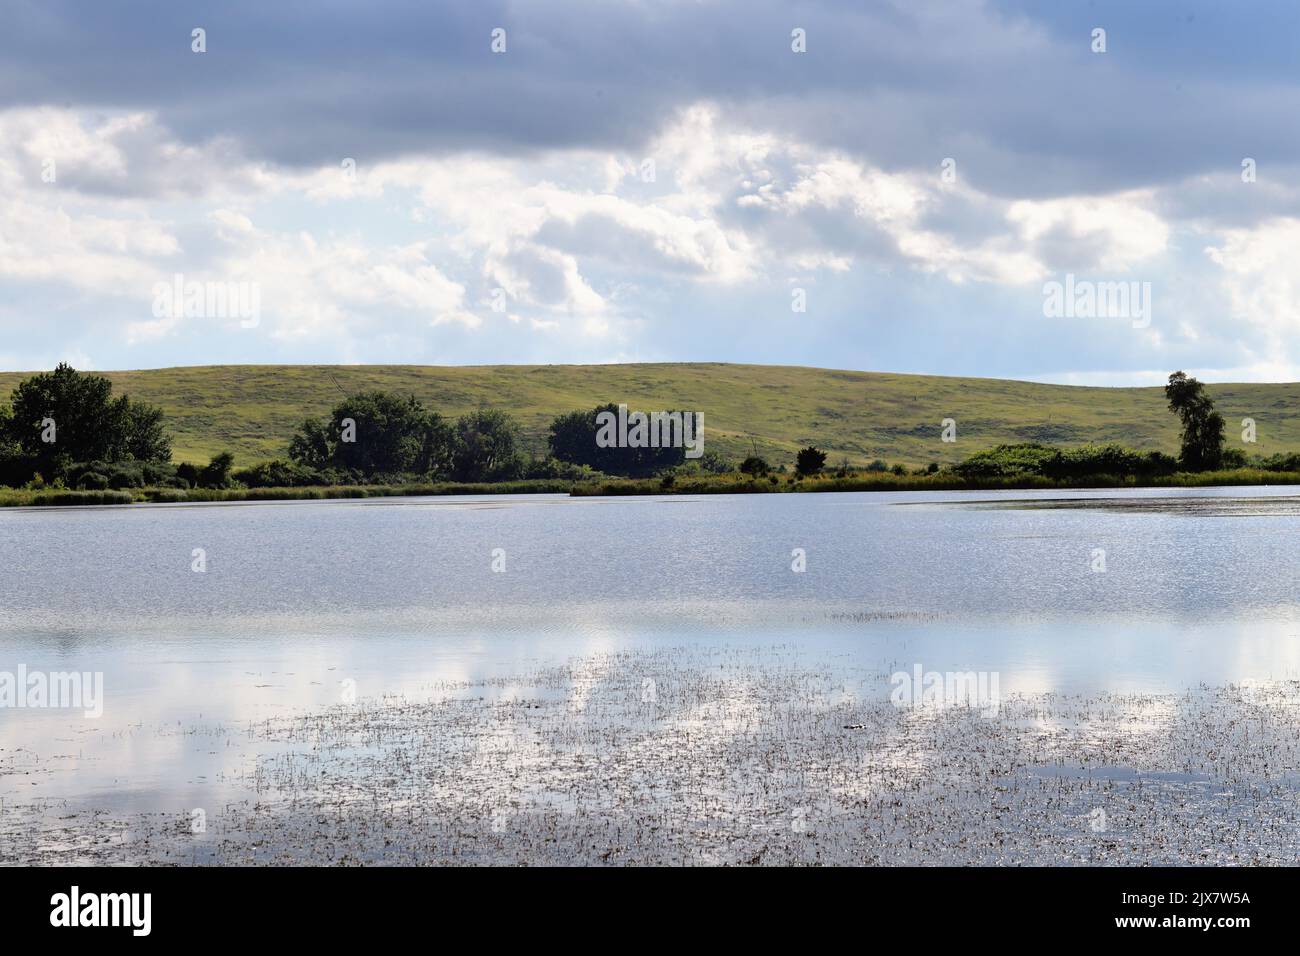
(1202, 439)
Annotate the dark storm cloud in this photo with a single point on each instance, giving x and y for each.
(1012, 92)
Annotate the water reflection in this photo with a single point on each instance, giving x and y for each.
(398, 596)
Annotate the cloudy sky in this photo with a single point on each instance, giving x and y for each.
(653, 180)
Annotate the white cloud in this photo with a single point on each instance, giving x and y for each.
(584, 247)
(1261, 275)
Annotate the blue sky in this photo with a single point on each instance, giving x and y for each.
(653, 181)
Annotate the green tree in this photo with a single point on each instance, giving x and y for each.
(484, 446)
(572, 438)
(145, 439)
(310, 445)
(8, 447)
(64, 417)
(754, 465)
(376, 433)
(217, 472)
(809, 461)
(714, 463)
(1202, 439)
(87, 424)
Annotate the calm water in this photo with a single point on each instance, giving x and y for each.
(400, 596)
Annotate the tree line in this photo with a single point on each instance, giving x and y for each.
(381, 437)
(65, 428)
(1201, 448)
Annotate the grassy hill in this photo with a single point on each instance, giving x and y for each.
(252, 410)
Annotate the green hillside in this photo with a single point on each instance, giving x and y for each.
(253, 409)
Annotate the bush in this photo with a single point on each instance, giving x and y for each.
(217, 472)
(124, 476)
(1157, 464)
(279, 473)
(1007, 461)
(119, 475)
(1232, 458)
(1075, 463)
(1289, 461)
(1030, 459)
(714, 463)
(809, 461)
(554, 468)
(188, 473)
(754, 465)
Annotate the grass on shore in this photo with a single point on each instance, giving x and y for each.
(18, 497)
(869, 481)
(730, 484)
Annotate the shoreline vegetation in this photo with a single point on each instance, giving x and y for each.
(65, 439)
(253, 411)
(699, 485)
(24, 497)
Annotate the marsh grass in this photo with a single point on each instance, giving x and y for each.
(751, 755)
(884, 481)
(728, 484)
(21, 497)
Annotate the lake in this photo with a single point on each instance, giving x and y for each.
(420, 653)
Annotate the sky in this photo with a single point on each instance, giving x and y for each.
(888, 186)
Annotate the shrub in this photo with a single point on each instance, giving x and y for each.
(1289, 461)
(1030, 459)
(1006, 461)
(188, 473)
(809, 461)
(217, 472)
(1088, 460)
(714, 463)
(279, 473)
